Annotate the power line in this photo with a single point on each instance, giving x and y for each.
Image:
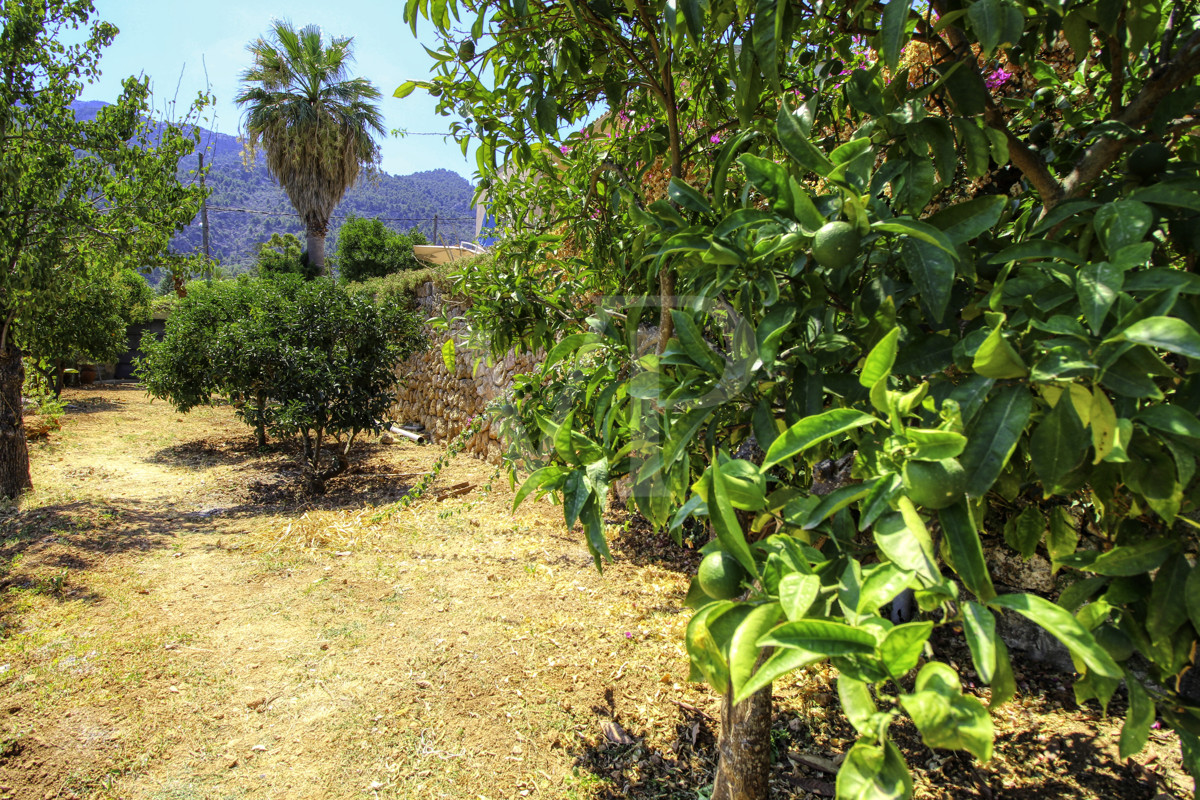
(337, 216)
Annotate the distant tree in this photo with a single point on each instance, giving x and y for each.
(87, 321)
(198, 357)
(294, 357)
(77, 196)
(283, 254)
(366, 248)
(312, 120)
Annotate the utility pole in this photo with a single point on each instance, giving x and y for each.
(435, 221)
(204, 216)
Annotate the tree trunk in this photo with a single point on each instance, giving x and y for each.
(316, 252)
(744, 771)
(260, 421)
(14, 453)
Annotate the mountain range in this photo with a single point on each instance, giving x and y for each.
(246, 206)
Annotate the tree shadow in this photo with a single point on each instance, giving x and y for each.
(638, 542)
(50, 550)
(643, 770)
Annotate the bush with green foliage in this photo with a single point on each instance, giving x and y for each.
(87, 322)
(366, 248)
(283, 254)
(999, 341)
(292, 356)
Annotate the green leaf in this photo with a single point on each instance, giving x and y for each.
(1078, 34)
(1058, 445)
(878, 363)
(996, 358)
(945, 716)
(1041, 249)
(962, 222)
(1170, 418)
(404, 89)
(552, 475)
(979, 624)
(1024, 532)
(771, 331)
(966, 550)
(1061, 538)
(902, 646)
(931, 270)
(575, 493)
(547, 115)
(566, 346)
(686, 196)
(764, 37)
(1097, 286)
(820, 636)
(769, 178)
(931, 444)
(780, 663)
(797, 145)
(881, 586)
(725, 523)
(993, 435)
(1167, 333)
(693, 343)
(797, 593)
(1138, 719)
(448, 356)
(1191, 597)
(1133, 559)
(905, 541)
(703, 651)
(891, 32)
(874, 772)
(921, 231)
(1165, 613)
(814, 429)
(1004, 684)
(986, 24)
(1167, 194)
(857, 703)
(1064, 627)
(744, 649)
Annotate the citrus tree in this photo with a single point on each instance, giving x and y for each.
(366, 248)
(935, 289)
(294, 358)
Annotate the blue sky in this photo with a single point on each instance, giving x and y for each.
(164, 39)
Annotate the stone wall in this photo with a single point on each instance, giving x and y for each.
(444, 402)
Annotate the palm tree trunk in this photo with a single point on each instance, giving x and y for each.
(316, 251)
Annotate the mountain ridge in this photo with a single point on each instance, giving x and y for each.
(246, 206)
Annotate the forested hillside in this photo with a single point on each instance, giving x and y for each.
(246, 206)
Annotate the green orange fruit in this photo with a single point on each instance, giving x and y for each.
(1148, 160)
(721, 575)
(466, 50)
(1041, 133)
(836, 244)
(934, 484)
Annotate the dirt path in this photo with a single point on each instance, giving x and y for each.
(176, 622)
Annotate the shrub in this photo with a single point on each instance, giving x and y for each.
(293, 357)
(366, 248)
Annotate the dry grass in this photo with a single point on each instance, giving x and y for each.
(176, 621)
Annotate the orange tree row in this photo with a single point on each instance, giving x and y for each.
(929, 242)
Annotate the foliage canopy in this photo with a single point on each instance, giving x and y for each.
(294, 357)
(1008, 354)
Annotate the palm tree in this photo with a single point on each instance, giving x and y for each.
(312, 120)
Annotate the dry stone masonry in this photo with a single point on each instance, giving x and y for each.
(444, 402)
